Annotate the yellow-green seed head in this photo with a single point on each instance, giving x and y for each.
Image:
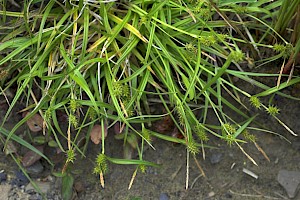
(272, 110)
(47, 114)
(192, 147)
(101, 163)
(228, 129)
(142, 168)
(92, 113)
(200, 132)
(255, 102)
(241, 9)
(208, 40)
(249, 136)
(70, 155)
(118, 89)
(73, 105)
(229, 139)
(73, 120)
(146, 135)
(237, 56)
(279, 48)
(286, 50)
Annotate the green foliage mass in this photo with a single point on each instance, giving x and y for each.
(102, 62)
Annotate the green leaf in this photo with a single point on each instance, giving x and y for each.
(131, 162)
(39, 139)
(242, 128)
(132, 140)
(230, 2)
(59, 174)
(78, 77)
(52, 143)
(67, 187)
(187, 84)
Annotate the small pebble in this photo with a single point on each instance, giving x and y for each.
(151, 170)
(164, 196)
(211, 194)
(215, 158)
(35, 197)
(3, 177)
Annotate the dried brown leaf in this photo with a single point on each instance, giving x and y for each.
(118, 128)
(262, 151)
(165, 125)
(96, 133)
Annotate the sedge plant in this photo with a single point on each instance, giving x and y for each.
(100, 62)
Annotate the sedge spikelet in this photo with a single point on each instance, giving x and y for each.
(228, 129)
(101, 164)
(248, 136)
(70, 156)
(192, 147)
(272, 110)
(227, 132)
(143, 168)
(73, 105)
(200, 132)
(146, 135)
(73, 120)
(255, 102)
(237, 56)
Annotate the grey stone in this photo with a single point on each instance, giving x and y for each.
(36, 197)
(215, 158)
(35, 169)
(4, 191)
(164, 196)
(290, 181)
(45, 187)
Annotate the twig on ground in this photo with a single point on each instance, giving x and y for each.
(175, 173)
(195, 180)
(199, 167)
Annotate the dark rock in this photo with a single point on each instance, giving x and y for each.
(228, 195)
(215, 158)
(290, 181)
(164, 196)
(31, 157)
(3, 177)
(35, 169)
(20, 179)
